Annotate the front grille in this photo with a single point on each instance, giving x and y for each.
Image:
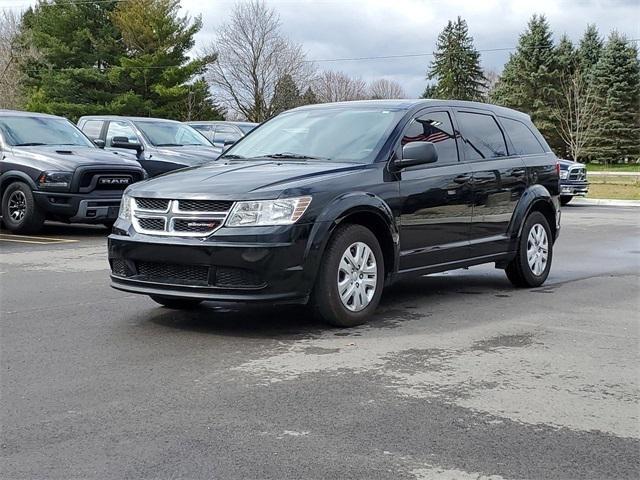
(577, 174)
(152, 203)
(238, 278)
(194, 225)
(90, 179)
(173, 273)
(119, 268)
(204, 205)
(151, 223)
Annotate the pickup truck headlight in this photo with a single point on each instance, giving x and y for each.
(564, 174)
(284, 211)
(55, 180)
(125, 207)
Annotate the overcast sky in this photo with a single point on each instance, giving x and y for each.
(330, 29)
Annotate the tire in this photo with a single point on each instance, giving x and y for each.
(361, 298)
(109, 224)
(176, 303)
(520, 271)
(20, 212)
(565, 200)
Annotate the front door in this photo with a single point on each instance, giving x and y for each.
(436, 214)
(499, 180)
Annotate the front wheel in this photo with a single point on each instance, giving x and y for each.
(565, 200)
(20, 211)
(531, 266)
(350, 280)
(176, 303)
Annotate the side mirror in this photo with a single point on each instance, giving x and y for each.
(98, 142)
(123, 142)
(417, 153)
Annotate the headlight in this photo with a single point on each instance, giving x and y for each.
(284, 211)
(55, 180)
(125, 207)
(564, 174)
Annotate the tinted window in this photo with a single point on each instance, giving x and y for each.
(482, 137)
(523, 139)
(225, 133)
(434, 127)
(21, 130)
(120, 129)
(92, 128)
(206, 130)
(171, 134)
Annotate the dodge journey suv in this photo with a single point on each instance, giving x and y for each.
(328, 204)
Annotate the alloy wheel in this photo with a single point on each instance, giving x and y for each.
(17, 206)
(357, 276)
(537, 249)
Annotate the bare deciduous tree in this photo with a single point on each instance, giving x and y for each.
(576, 112)
(333, 86)
(252, 56)
(383, 88)
(10, 53)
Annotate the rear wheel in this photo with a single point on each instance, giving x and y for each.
(531, 266)
(350, 280)
(176, 303)
(20, 212)
(565, 200)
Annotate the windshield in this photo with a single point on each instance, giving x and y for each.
(344, 134)
(171, 134)
(23, 131)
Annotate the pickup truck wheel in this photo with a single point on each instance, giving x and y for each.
(565, 200)
(176, 303)
(350, 280)
(20, 212)
(531, 266)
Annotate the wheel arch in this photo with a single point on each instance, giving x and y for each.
(11, 176)
(536, 198)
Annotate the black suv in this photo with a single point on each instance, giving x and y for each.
(329, 203)
(159, 145)
(50, 170)
(573, 181)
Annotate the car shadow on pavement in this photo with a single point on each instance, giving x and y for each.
(55, 229)
(398, 305)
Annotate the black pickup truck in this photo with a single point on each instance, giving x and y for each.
(328, 204)
(50, 170)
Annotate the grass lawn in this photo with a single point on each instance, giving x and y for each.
(614, 191)
(611, 167)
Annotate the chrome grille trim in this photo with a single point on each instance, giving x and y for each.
(173, 213)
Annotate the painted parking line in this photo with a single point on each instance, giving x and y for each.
(35, 240)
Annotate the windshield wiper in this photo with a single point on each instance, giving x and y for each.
(169, 145)
(294, 156)
(233, 157)
(29, 144)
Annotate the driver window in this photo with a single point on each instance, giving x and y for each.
(434, 127)
(120, 129)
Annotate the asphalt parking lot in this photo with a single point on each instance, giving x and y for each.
(459, 376)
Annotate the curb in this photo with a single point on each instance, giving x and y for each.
(606, 202)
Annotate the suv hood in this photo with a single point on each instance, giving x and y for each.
(237, 180)
(186, 155)
(68, 158)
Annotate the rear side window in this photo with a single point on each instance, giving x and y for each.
(206, 130)
(225, 134)
(482, 136)
(523, 139)
(434, 127)
(93, 128)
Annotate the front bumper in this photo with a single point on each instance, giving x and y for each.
(94, 207)
(258, 264)
(572, 189)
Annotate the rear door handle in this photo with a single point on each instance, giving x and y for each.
(462, 179)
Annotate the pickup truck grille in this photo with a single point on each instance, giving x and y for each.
(107, 179)
(577, 174)
(182, 218)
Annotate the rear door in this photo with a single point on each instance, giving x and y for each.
(499, 179)
(436, 214)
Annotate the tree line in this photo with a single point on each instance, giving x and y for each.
(134, 58)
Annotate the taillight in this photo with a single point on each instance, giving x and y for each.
(558, 168)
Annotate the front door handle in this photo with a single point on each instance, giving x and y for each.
(461, 179)
(518, 172)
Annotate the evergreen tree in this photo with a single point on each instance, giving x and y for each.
(286, 95)
(456, 64)
(589, 50)
(528, 82)
(76, 43)
(566, 57)
(309, 97)
(430, 91)
(616, 84)
(156, 73)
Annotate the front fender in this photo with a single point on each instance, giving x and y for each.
(531, 197)
(16, 175)
(339, 210)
